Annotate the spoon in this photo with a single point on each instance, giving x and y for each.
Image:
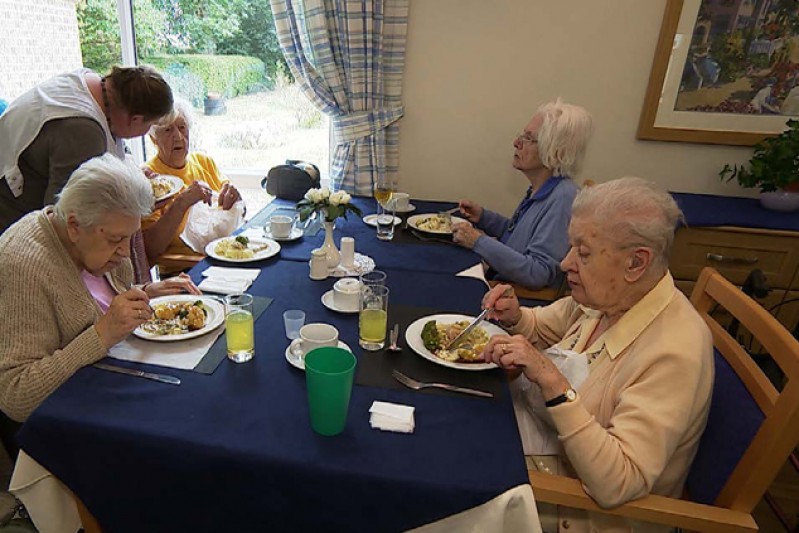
(394, 336)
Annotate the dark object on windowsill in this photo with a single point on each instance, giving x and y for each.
(292, 180)
(215, 104)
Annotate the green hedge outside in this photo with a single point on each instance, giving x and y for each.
(227, 75)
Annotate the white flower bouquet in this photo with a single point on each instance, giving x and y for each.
(331, 205)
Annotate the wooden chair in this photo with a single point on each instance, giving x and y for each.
(176, 263)
(752, 427)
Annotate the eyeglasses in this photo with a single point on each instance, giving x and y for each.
(526, 138)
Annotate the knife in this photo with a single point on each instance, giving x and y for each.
(163, 378)
(462, 335)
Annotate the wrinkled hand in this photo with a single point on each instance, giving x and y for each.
(228, 196)
(127, 311)
(470, 210)
(177, 285)
(149, 173)
(503, 304)
(196, 192)
(517, 352)
(465, 234)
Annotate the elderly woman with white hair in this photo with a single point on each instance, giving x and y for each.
(199, 173)
(66, 282)
(527, 247)
(633, 425)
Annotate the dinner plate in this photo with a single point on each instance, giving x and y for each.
(330, 303)
(175, 186)
(272, 248)
(413, 336)
(295, 234)
(215, 318)
(299, 362)
(371, 220)
(413, 221)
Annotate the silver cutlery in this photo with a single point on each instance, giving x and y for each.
(417, 385)
(450, 211)
(394, 337)
(468, 329)
(163, 378)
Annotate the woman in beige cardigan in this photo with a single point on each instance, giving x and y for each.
(66, 282)
(633, 425)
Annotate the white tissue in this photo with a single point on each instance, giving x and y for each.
(392, 417)
(221, 286)
(231, 274)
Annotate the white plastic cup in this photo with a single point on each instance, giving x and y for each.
(293, 320)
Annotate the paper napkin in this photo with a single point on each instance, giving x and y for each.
(392, 417)
(226, 280)
(477, 271)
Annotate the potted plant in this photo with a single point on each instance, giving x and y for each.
(774, 168)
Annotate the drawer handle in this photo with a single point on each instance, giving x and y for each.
(732, 260)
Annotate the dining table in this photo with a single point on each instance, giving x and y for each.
(233, 449)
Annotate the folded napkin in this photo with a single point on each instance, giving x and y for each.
(184, 354)
(226, 280)
(477, 271)
(392, 417)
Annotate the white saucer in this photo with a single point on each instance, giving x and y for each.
(295, 234)
(371, 220)
(329, 302)
(408, 209)
(300, 363)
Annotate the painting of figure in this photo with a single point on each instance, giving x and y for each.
(743, 59)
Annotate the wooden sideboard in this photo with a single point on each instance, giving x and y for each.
(736, 251)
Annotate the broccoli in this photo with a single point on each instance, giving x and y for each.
(243, 240)
(430, 336)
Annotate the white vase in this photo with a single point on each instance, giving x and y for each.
(329, 246)
(785, 201)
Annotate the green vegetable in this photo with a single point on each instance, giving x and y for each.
(430, 336)
(243, 240)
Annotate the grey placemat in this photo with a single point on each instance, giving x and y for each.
(218, 351)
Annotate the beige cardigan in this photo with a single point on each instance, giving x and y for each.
(636, 424)
(47, 327)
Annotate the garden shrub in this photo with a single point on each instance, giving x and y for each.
(226, 75)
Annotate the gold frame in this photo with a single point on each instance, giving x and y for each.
(657, 78)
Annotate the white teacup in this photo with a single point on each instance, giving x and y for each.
(346, 293)
(401, 201)
(280, 226)
(313, 336)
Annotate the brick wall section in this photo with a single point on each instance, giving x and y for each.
(38, 39)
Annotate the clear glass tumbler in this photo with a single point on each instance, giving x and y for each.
(373, 317)
(239, 327)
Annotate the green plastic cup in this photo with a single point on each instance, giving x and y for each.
(328, 375)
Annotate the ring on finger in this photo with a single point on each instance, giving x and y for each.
(138, 314)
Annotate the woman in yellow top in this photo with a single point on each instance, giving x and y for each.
(198, 171)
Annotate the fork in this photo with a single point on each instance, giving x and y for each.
(418, 385)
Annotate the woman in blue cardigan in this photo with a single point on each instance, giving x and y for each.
(527, 247)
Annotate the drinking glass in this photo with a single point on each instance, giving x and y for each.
(372, 317)
(239, 327)
(385, 222)
(293, 320)
(373, 277)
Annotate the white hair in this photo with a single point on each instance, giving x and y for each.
(180, 108)
(563, 136)
(104, 185)
(633, 212)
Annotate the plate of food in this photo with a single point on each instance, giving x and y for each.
(433, 223)
(242, 249)
(180, 317)
(429, 334)
(165, 186)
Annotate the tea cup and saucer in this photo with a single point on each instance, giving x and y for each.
(312, 336)
(344, 297)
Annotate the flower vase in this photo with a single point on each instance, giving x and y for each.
(329, 246)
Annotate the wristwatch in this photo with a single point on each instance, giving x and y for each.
(568, 396)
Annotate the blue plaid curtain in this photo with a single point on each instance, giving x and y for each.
(349, 57)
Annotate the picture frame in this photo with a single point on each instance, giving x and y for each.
(663, 119)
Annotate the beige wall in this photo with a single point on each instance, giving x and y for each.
(38, 39)
(477, 70)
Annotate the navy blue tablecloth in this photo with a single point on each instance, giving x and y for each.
(406, 253)
(234, 451)
(712, 210)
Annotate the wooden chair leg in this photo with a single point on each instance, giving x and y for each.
(90, 524)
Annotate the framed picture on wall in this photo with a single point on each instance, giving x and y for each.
(725, 72)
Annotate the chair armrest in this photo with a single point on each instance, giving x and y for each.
(196, 258)
(688, 515)
(549, 294)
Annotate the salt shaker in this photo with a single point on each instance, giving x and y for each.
(318, 264)
(347, 252)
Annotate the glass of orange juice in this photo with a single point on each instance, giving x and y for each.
(239, 327)
(372, 317)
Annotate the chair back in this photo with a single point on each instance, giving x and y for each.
(752, 426)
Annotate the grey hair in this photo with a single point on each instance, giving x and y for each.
(180, 108)
(103, 185)
(563, 136)
(633, 212)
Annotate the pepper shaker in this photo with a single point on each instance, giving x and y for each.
(318, 264)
